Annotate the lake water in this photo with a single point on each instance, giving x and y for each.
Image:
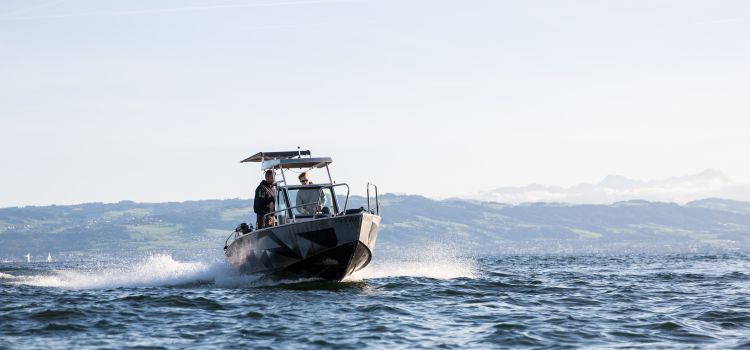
(429, 299)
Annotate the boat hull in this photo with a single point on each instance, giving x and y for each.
(329, 248)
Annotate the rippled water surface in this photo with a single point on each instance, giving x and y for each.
(430, 300)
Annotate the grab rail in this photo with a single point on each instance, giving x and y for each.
(236, 235)
(377, 202)
(289, 209)
(346, 202)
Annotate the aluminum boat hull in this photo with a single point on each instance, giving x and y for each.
(329, 248)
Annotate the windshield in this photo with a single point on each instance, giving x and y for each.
(310, 201)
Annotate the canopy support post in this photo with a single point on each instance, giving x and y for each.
(286, 198)
(330, 179)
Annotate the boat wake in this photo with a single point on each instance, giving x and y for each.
(438, 262)
(155, 271)
(164, 271)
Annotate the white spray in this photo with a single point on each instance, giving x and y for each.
(436, 261)
(153, 271)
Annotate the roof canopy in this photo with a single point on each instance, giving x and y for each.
(262, 156)
(291, 163)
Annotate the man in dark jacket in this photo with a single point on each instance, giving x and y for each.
(265, 199)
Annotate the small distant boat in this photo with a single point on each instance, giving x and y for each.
(28, 257)
(49, 257)
(321, 238)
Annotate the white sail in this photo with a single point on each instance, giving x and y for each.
(28, 257)
(49, 257)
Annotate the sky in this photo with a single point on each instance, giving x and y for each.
(159, 100)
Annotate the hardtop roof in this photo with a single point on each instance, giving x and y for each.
(261, 156)
(288, 163)
(287, 159)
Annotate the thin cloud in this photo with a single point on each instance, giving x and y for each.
(31, 8)
(174, 10)
(727, 20)
(311, 24)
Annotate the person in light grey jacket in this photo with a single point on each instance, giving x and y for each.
(307, 197)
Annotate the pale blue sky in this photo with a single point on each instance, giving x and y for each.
(159, 100)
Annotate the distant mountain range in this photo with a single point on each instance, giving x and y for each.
(614, 188)
(409, 222)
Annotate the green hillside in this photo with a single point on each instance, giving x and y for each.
(407, 221)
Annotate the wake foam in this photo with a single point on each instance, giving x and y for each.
(438, 262)
(155, 271)
(163, 271)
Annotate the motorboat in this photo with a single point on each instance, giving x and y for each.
(314, 235)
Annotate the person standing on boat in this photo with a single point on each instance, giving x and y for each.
(265, 199)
